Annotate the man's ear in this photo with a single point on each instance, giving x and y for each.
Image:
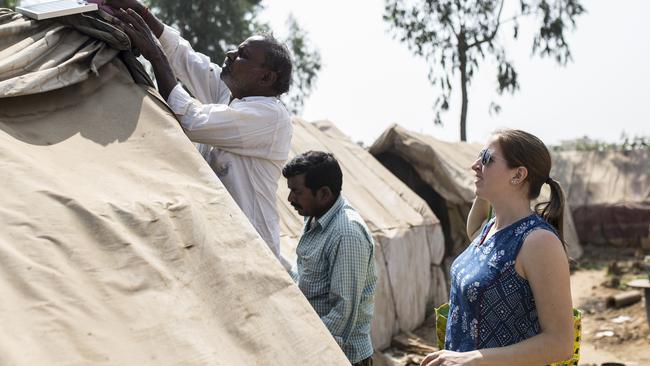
(324, 194)
(269, 78)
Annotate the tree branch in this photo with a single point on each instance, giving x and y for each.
(453, 30)
(516, 17)
(494, 32)
(460, 21)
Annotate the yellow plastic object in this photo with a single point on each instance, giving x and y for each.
(442, 313)
(577, 334)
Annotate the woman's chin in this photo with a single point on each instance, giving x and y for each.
(479, 193)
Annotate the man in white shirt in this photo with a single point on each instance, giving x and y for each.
(243, 128)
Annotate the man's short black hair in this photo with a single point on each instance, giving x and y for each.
(278, 59)
(320, 168)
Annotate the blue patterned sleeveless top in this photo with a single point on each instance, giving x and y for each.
(490, 304)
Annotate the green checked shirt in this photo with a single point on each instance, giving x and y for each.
(336, 272)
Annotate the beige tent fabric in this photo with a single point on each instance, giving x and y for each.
(408, 237)
(39, 56)
(121, 247)
(444, 167)
(609, 192)
(604, 177)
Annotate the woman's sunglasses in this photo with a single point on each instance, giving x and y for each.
(486, 157)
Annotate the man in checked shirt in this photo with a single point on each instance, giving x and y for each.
(335, 268)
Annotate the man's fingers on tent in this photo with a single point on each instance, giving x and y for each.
(129, 30)
(141, 24)
(127, 18)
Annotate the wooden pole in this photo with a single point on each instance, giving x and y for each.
(623, 299)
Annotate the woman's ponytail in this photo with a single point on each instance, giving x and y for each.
(553, 210)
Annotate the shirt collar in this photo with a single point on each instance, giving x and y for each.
(324, 220)
(252, 99)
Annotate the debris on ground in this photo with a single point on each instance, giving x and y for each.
(623, 299)
(621, 319)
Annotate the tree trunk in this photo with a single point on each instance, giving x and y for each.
(462, 57)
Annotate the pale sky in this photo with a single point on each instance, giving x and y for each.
(370, 81)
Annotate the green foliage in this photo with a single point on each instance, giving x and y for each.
(211, 26)
(456, 35)
(8, 4)
(625, 143)
(306, 65)
(214, 26)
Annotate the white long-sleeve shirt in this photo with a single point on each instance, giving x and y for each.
(246, 141)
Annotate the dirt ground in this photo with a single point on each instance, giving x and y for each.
(608, 334)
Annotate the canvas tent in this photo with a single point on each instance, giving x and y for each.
(408, 237)
(119, 244)
(440, 173)
(609, 193)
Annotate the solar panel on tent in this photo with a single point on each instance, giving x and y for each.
(54, 9)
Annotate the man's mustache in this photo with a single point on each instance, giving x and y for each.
(296, 206)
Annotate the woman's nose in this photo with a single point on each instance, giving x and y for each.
(477, 165)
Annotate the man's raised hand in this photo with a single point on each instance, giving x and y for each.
(139, 33)
(125, 4)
